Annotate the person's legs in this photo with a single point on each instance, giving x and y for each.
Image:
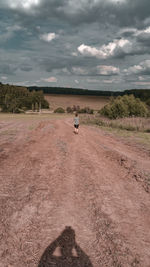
(77, 129)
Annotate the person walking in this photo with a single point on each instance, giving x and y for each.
(76, 123)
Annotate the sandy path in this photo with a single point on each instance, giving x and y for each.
(51, 178)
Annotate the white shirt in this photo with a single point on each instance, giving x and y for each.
(76, 120)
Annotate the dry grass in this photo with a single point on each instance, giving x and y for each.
(34, 117)
(136, 130)
(94, 102)
(130, 124)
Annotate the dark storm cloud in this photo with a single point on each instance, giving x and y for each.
(122, 13)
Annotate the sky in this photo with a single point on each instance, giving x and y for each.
(91, 44)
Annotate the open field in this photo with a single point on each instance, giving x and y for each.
(94, 102)
(96, 182)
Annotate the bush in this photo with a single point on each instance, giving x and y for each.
(79, 110)
(59, 110)
(69, 110)
(45, 104)
(76, 108)
(124, 106)
(148, 102)
(86, 110)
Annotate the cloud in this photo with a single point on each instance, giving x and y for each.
(25, 4)
(127, 32)
(100, 70)
(121, 12)
(107, 70)
(115, 48)
(48, 37)
(9, 32)
(50, 80)
(25, 68)
(79, 71)
(108, 81)
(4, 78)
(93, 81)
(8, 69)
(143, 36)
(95, 37)
(76, 81)
(142, 69)
(14, 28)
(141, 83)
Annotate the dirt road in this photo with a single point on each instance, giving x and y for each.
(97, 184)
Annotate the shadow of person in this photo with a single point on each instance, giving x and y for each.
(71, 255)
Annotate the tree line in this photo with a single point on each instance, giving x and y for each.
(143, 94)
(18, 99)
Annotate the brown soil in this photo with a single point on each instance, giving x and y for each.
(51, 178)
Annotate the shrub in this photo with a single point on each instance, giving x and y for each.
(59, 110)
(86, 110)
(148, 102)
(124, 106)
(45, 104)
(76, 108)
(69, 110)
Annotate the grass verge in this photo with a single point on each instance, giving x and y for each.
(135, 129)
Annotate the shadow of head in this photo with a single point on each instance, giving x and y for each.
(70, 254)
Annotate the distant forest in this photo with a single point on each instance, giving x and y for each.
(143, 94)
(19, 99)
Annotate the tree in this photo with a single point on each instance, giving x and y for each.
(16, 99)
(124, 106)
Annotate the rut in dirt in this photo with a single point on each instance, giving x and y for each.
(91, 182)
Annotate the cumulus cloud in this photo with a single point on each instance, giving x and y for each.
(100, 70)
(48, 37)
(50, 80)
(107, 70)
(26, 4)
(140, 36)
(4, 78)
(79, 71)
(143, 35)
(115, 48)
(142, 69)
(76, 81)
